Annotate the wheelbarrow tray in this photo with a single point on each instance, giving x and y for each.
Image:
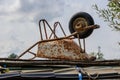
(65, 49)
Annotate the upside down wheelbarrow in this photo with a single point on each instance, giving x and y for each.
(51, 46)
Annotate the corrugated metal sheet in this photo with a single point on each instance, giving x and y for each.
(71, 73)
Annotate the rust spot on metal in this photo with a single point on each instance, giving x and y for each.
(65, 49)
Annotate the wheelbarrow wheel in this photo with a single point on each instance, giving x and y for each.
(81, 19)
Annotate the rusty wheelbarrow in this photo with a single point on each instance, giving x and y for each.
(52, 46)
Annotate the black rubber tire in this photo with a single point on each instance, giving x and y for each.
(89, 20)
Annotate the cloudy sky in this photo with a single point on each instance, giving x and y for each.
(19, 24)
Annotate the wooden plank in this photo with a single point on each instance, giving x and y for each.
(21, 62)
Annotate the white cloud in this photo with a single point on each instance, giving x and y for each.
(39, 9)
(9, 6)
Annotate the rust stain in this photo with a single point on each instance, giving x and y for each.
(65, 49)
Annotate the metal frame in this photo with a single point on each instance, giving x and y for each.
(44, 24)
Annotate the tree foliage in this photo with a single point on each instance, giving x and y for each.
(12, 56)
(111, 14)
(99, 55)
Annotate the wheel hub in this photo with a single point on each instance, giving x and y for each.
(79, 23)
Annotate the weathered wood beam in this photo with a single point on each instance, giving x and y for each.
(23, 62)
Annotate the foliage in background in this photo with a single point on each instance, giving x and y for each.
(12, 56)
(99, 55)
(111, 14)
